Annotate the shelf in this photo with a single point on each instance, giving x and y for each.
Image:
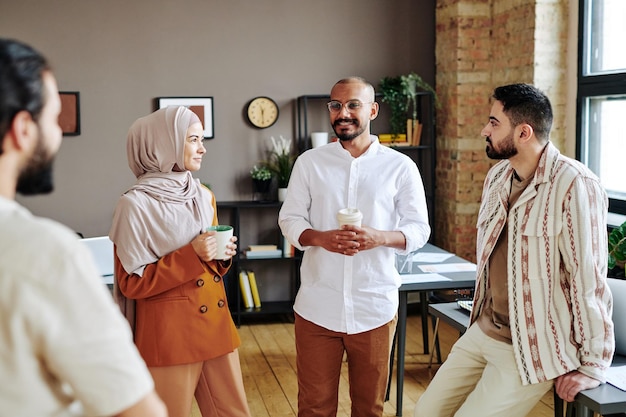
(270, 307)
(409, 148)
(247, 204)
(277, 258)
(255, 222)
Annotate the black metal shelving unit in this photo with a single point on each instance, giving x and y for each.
(235, 211)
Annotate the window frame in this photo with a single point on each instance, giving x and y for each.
(596, 85)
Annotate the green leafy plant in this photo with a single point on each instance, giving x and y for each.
(261, 173)
(410, 85)
(617, 247)
(391, 89)
(280, 160)
(400, 93)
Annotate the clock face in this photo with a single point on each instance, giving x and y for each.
(262, 112)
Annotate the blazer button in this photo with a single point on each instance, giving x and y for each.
(217, 278)
(221, 303)
(200, 282)
(203, 309)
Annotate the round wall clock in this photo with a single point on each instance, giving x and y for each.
(262, 112)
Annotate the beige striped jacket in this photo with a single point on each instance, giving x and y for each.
(559, 303)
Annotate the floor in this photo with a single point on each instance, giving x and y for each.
(268, 356)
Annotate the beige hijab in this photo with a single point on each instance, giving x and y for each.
(167, 207)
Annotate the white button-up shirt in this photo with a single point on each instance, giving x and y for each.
(353, 294)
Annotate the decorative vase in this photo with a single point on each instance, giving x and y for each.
(282, 194)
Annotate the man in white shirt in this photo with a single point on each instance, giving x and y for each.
(348, 298)
(65, 348)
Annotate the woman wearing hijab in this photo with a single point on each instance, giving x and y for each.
(167, 280)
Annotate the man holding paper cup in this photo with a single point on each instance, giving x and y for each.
(351, 206)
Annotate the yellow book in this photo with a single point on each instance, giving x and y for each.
(253, 288)
(246, 293)
(388, 138)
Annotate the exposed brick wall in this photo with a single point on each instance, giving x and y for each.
(482, 44)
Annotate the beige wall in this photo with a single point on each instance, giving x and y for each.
(120, 55)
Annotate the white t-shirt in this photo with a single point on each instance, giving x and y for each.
(65, 348)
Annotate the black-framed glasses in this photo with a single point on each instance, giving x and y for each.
(335, 106)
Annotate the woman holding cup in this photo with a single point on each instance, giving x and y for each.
(168, 278)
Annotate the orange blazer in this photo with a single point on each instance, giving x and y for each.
(182, 314)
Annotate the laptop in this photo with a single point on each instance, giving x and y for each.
(101, 249)
(465, 304)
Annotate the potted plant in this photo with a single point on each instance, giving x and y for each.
(261, 179)
(400, 93)
(280, 163)
(617, 251)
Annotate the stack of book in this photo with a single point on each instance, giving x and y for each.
(249, 289)
(263, 251)
(388, 139)
(411, 138)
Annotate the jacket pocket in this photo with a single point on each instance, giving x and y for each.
(167, 299)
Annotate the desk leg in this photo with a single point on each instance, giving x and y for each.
(401, 338)
(435, 342)
(582, 410)
(424, 307)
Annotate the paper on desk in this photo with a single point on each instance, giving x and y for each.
(443, 268)
(415, 278)
(430, 257)
(616, 376)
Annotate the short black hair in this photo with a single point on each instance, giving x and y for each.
(21, 82)
(524, 103)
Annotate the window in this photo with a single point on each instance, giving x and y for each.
(601, 142)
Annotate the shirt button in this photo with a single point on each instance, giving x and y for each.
(221, 303)
(203, 309)
(217, 278)
(200, 282)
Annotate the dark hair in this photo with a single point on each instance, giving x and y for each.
(21, 84)
(524, 103)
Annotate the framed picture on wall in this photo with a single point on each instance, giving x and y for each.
(201, 106)
(69, 118)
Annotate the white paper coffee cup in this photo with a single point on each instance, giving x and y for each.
(351, 216)
(223, 233)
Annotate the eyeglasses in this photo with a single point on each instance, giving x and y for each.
(335, 106)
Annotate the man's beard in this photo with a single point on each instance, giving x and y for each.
(348, 136)
(36, 177)
(506, 151)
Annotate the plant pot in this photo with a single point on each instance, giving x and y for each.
(616, 272)
(282, 194)
(261, 189)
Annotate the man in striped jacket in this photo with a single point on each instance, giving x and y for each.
(542, 308)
